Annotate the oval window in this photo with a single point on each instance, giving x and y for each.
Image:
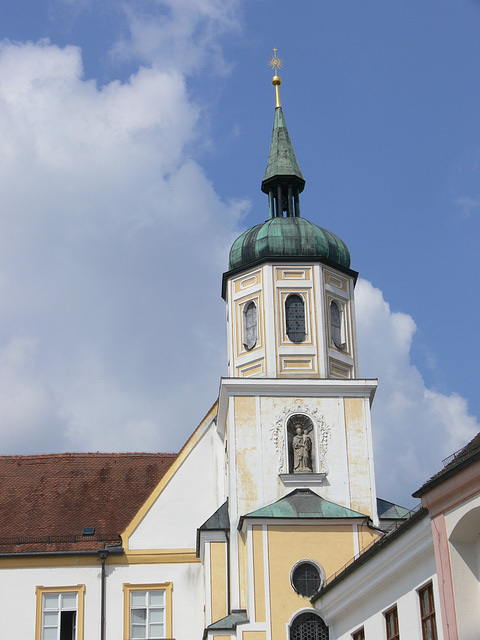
(306, 579)
(295, 318)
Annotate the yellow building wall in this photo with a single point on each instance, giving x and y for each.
(329, 545)
(254, 635)
(366, 536)
(218, 572)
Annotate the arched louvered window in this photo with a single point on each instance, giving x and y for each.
(336, 325)
(295, 318)
(308, 626)
(250, 332)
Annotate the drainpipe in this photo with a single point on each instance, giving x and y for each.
(103, 553)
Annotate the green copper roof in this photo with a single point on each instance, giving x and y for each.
(390, 511)
(303, 503)
(281, 159)
(288, 237)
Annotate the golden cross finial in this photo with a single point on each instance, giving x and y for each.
(276, 63)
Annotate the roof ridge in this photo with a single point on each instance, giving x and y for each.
(85, 454)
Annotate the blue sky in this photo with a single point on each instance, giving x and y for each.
(134, 139)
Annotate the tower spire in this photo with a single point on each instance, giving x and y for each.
(283, 181)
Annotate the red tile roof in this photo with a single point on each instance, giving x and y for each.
(47, 500)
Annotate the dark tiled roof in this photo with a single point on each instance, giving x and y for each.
(47, 500)
(458, 461)
(219, 521)
(236, 617)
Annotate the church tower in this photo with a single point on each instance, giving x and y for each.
(289, 288)
(293, 415)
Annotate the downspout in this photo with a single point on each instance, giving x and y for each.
(103, 553)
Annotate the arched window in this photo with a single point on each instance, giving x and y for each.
(336, 325)
(295, 318)
(309, 626)
(250, 325)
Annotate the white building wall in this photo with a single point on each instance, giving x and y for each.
(18, 601)
(392, 577)
(193, 494)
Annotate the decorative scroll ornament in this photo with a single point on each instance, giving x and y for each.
(277, 434)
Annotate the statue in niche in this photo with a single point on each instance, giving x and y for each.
(302, 451)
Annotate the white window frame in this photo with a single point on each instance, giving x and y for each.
(129, 624)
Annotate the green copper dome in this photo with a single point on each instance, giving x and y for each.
(286, 238)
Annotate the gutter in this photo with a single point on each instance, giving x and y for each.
(112, 549)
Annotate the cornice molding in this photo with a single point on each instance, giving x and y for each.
(291, 387)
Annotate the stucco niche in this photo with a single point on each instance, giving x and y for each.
(315, 429)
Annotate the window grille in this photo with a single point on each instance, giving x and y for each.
(308, 626)
(306, 579)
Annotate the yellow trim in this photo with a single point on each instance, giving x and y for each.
(153, 556)
(79, 589)
(182, 456)
(218, 580)
(161, 556)
(258, 573)
(128, 588)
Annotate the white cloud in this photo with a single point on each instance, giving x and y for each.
(183, 34)
(468, 205)
(111, 238)
(413, 427)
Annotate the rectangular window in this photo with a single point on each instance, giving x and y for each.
(359, 635)
(60, 613)
(427, 611)
(391, 623)
(148, 611)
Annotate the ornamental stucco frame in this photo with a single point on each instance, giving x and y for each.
(278, 434)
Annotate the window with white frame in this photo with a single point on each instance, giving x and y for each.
(147, 614)
(59, 613)
(148, 611)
